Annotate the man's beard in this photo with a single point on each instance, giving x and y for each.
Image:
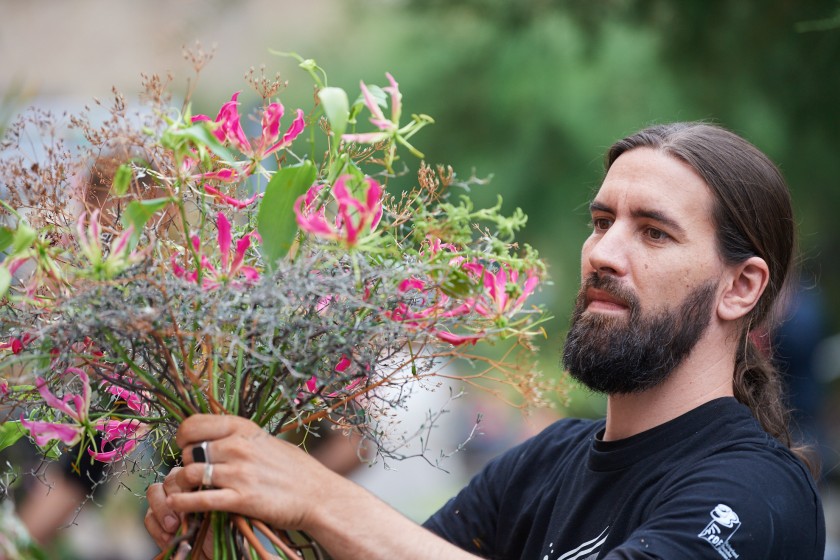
(622, 355)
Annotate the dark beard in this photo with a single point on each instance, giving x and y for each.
(614, 355)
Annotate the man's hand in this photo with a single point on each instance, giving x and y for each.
(262, 477)
(162, 521)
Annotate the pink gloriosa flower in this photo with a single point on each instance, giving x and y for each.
(119, 255)
(231, 269)
(499, 287)
(229, 130)
(73, 406)
(353, 217)
(129, 431)
(387, 127)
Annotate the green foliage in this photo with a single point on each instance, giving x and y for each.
(122, 179)
(276, 217)
(10, 432)
(534, 91)
(138, 212)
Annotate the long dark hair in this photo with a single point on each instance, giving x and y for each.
(753, 216)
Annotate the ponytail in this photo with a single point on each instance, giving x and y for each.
(758, 385)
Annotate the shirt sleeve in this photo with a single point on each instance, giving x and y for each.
(469, 520)
(739, 505)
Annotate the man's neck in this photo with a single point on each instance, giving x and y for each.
(702, 377)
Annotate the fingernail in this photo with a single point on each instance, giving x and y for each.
(170, 523)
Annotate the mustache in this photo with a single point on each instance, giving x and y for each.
(610, 285)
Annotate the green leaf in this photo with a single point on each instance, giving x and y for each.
(10, 432)
(200, 135)
(23, 237)
(276, 217)
(138, 212)
(457, 284)
(7, 235)
(337, 109)
(122, 179)
(5, 280)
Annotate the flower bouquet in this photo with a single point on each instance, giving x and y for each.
(275, 277)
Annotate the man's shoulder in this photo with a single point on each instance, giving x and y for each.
(566, 432)
(564, 439)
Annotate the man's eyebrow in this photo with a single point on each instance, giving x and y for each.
(660, 217)
(598, 207)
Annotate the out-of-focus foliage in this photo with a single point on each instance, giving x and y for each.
(534, 91)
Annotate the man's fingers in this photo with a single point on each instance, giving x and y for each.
(172, 484)
(161, 521)
(223, 499)
(209, 427)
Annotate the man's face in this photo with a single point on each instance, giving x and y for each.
(650, 274)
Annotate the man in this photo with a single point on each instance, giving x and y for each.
(691, 246)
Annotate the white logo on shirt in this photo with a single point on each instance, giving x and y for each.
(584, 551)
(720, 529)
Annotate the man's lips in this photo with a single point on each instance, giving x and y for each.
(599, 300)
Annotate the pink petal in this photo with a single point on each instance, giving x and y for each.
(226, 175)
(457, 340)
(250, 273)
(231, 127)
(105, 456)
(365, 137)
(230, 201)
(371, 103)
(396, 97)
(15, 263)
(131, 399)
(295, 129)
(241, 248)
(374, 203)
(120, 244)
(196, 242)
(176, 268)
(271, 123)
(224, 238)
(343, 364)
(45, 432)
(217, 131)
(53, 401)
(315, 223)
(461, 309)
(411, 284)
(531, 283)
(93, 229)
(355, 383)
(293, 132)
(16, 345)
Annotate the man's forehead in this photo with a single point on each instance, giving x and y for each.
(645, 180)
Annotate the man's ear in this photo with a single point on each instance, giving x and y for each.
(745, 282)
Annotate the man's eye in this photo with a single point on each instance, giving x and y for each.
(601, 223)
(656, 234)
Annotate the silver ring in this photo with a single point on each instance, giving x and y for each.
(201, 452)
(207, 479)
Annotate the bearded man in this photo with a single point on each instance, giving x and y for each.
(691, 247)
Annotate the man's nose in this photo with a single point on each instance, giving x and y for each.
(608, 253)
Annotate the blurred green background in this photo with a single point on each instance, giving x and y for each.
(530, 91)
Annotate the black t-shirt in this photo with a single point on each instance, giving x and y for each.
(709, 484)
